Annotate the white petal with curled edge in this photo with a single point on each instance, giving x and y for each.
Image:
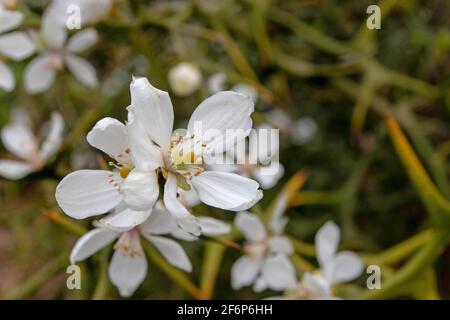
(7, 81)
(226, 190)
(327, 241)
(244, 272)
(9, 19)
(54, 136)
(127, 272)
(172, 252)
(279, 273)
(124, 220)
(223, 111)
(280, 244)
(171, 202)
(87, 193)
(20, 141)
(82, 70)
(346, 267)
(15, 170)
(110, 136)
(251, 226)
(213, 227)
(16, 45)
(153, 109)
(140, 190)
(160, 222)
(82, 40)
(39, 75)
(90, 243)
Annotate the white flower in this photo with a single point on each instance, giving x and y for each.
(91, 11)
(86, 193)
(184, 79)
(299, 131)
(335, 268)
(180, 157)
(18, 139)
(14, 45)
(55, 53)
(128, 267)
(263, 253)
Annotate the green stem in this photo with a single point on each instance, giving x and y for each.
(210, 268)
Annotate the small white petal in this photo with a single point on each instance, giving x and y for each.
(279, 273)
(54, 136)
(160, 222)
(9, 19)
(244, 272)
(226, 190)
(251, 226)
(278, 221)
(279, 244)
(268, 181)
(15, 170)
(7, 81)
(90, 243)
(216, 82)
(110, 136)
(140, 190)
(16, 45)
(20, 141)
(346, 267)
(213, 227)
(171, 202)
(39, 75)
(87, 193)
(55, 33)
(327, 241)
(188, 198)
(124, 220)
(172, 252)
(82, 70)
(127, 272)
(153, 109)
(82, 40)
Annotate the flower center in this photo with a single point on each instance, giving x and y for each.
(130, 244)
(186, 156)
(256, 250)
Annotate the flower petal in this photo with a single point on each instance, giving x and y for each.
(317, 285)
(87, 193)
(226, 190)
(153, 109)
(9, 19)
(268, 180)
(110, 136)
(127, 272)
(54, 136)
(15, 170)
(244, 272)
(82, 40)
(54, 32)
(124, 220)
(160, 222)
(346, 267)
(171, 202)
(39, 75)
(213, 227)
(140, 190)
(82, 70)
(251, 226)
(172, 252)
(20, 141)
(327, 241)
(215, 117)
(279, 273)
(279, 244)
(7, 81)
(90, 243)
(16, 45)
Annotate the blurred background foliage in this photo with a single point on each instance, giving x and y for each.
(313, 58)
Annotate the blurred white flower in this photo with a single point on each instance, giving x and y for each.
(18, 139)
(128, 267)
(14, 45)
(335, 268)
(55, 53)
(180, 157)
(263, 255)
(90, 11)
(86, 193)
(184, 79)
(300, 131)
(216, 83)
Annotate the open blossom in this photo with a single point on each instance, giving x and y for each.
(14, 45)
(184, 79)
(180, 157)
(56, 52)
(86, 193)
(256, 266)
(18, 138)
(90, 11)
(335, 268)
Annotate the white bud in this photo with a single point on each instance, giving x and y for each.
(184, 79)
